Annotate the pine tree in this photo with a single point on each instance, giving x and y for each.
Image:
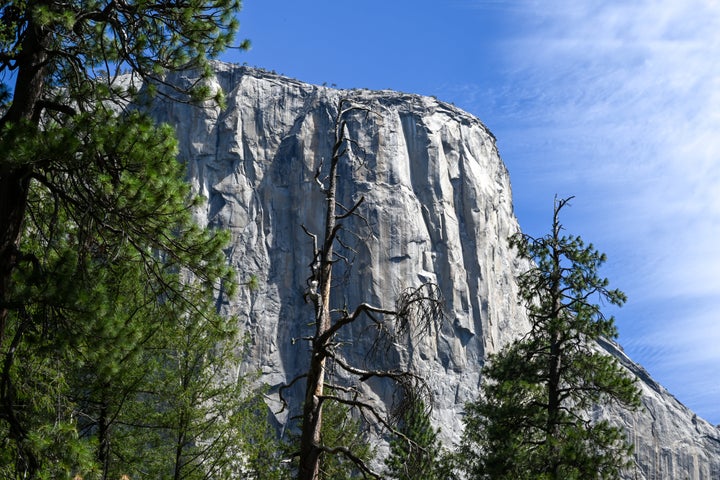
(162, 402)
(96, 235)
(340, 429)
(417, 454)
(534, 418)
(191, 419)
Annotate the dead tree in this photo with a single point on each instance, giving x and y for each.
(415, 310)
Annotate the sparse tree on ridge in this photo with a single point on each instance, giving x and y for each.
(534, 417)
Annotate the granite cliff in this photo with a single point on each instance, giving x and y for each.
(438, 207)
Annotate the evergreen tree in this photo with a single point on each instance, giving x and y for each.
(133, 382)
(340, 429)
(101, 263)
(534, 418)
(167, 406)
(417, 455)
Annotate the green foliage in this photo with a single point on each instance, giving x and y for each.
(340, 429)
(110, 344)
(253, 283)
(188, 418)
(262, 451)
(88, 43)
(534, 418)
(128, 377)
(418, 455)
(340, 432)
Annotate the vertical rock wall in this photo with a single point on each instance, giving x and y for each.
(437, 208)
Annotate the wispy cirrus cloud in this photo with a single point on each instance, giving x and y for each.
(618, 103)
(614, 101)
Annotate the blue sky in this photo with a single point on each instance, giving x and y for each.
(615, 102)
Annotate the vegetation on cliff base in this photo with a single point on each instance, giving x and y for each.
(419, 454)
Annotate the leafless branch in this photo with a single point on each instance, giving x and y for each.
(421, 307)
(286, 387)
(318, 172)
(347, 319)
(331, 386)
(412, 386)
(344, 451)
(365, 408)
(346, 246)
(314, 239)
(350, 211)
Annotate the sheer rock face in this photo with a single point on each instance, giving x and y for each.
(670, 441)
(437, 208)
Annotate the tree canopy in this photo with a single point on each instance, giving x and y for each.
(101, 262)
(418, 454)
(534, 418)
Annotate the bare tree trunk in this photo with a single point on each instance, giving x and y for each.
(103, 448)
(14, 190)
(15, 179)
(555, 359)
(312, 409)
(420, 305)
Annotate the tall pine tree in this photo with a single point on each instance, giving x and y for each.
(97, 242)
(534, 418)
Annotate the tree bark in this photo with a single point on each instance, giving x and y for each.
(556, 347)
(15, 179)
(310, 441)
(14, 190)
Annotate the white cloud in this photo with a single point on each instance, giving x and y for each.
(636, 87)
(619, 103)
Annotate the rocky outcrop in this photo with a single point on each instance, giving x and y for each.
(438, 207)
(670, 441)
